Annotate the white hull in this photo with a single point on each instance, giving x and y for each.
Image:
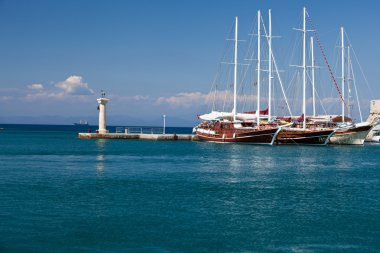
(376, 139)
(351, 138)
(373, 133)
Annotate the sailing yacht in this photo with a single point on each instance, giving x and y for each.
(304, 132)
(348, 132)
(233, 127)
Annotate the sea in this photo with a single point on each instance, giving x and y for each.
(59, 193)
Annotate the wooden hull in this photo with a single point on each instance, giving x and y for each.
(351, 136)
(303, 136)
(248, 136)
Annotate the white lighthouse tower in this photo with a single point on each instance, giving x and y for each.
(102, 113)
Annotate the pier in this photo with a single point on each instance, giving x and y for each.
(139, 133)
(131, 133)
(131, 136)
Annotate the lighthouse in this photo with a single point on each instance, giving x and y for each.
(102, 101)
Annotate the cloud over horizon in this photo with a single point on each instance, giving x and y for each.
(36, 86)
(74, 85)
(183, 99)
(191, 99)
(133, 98)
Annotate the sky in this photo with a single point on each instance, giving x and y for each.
(151, 57)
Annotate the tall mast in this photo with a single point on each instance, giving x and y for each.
(270, 67)
(258, 66)
(348, 82)
(304, 68)
(342, 41)
(235, 66)
(312, 72)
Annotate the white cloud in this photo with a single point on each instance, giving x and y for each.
(36, 86)
(134, 98)
(5, 98)
(44, 95)
(74, 85)
(330, 100)
(183, 99)
(190, 99)
(72, 88)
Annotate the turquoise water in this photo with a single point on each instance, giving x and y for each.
(62, 194)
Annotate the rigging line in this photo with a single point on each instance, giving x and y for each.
(214, 87)
(221, 101)
(328, 93)
(278, 75)
(282, 87)
(228, 88)
(242, 84)
(356, 92)
(360, 67)
(222, 73)
(326, 61)
(320, 102)
(292, 85)
(219, 74)
(249, 56)
(315, 90)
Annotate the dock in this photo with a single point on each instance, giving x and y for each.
(132, 133)
(140, 136)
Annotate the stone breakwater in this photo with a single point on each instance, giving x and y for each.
(153, 137)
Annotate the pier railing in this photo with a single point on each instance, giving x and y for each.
(140, 130)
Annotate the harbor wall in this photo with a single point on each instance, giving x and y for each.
(152, 137)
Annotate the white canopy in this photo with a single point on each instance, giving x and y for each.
(215, 115)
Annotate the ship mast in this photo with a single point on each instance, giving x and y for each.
(342, 45)
(270, 66)
(304, 68)
(348, 82)
(258, 66)
(312, 72)
(235, 67)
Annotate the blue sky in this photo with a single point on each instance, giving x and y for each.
(151, 57)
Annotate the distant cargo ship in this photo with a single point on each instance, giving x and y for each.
(82, 123)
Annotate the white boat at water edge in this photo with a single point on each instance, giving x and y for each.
(347, 132)
(353, 134)
(376, 136)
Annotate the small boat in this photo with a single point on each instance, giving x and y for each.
(375, 131)
(376, 136)
(82, 123)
